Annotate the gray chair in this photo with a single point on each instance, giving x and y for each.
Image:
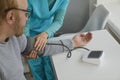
(97, 20)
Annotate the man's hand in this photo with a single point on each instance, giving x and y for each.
(41, 40)
(81, 39)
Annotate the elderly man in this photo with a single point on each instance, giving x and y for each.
(13, 16)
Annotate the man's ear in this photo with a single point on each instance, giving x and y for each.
(10, 17)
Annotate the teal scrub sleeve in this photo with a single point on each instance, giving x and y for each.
(58, 19)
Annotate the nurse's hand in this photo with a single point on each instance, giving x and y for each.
(32, 55)
(41, 40)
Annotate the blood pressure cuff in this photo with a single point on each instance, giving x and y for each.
(30, 47)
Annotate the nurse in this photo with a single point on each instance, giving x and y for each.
(46, 18)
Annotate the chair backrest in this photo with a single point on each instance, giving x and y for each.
(97, 20)
(76, 16)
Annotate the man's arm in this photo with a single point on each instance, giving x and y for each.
(1, 73)
(78, 40)
(49, 49)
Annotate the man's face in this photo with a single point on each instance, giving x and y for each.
(21, 20)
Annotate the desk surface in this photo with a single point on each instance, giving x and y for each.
(75, 69)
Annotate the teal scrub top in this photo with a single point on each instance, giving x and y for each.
(47, 16)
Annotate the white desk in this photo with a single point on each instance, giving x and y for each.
(74, 69)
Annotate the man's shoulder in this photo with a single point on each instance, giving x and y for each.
(22, 37)
(21, 41)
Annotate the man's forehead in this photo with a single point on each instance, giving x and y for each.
(22, 4)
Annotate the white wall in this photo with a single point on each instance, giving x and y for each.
(106, 1)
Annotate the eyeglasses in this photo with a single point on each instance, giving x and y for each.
(27, 12)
